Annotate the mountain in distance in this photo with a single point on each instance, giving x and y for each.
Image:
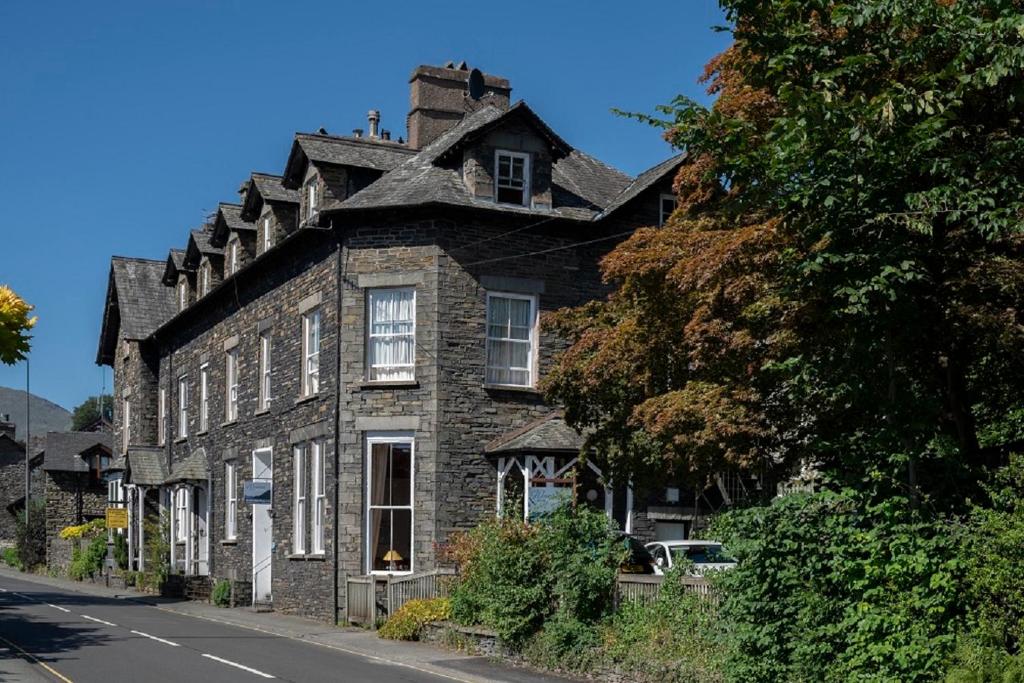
(47, 416)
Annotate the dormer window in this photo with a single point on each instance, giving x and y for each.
(232, 257)
(312, 198)
(268, 238)
(512, 178)
(666, 207)
(204, 278)
(182, 294)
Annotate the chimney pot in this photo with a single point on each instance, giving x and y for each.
(385, 135)
(357, 132)
(373, 116)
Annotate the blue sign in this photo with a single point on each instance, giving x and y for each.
(257, 491)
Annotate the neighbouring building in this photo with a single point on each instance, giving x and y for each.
(12, 481)
(341, 369)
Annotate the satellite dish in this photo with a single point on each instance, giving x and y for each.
(476, 84)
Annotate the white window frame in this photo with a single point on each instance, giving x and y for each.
(498, 154)
(233, 255)
(161, 417)
(183, 407)
(231, 384)
(266, 346)
(534, 338)
(662, 216)
(390, 438)
(126, 424)
(181, 515)
(204, 278)
(267, 241)
(318, 483)
(204, 397)
(309, 354)
(410, 370)
(182, 294)
(299, 499)
(230, 500)
(312, 200)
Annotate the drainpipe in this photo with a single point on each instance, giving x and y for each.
(337, 421)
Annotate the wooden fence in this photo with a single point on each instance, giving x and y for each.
(646, 587)
(370, 597)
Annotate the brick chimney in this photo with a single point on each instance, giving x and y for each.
(439, 96)
(6, 426)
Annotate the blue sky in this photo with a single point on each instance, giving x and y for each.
(122, 124)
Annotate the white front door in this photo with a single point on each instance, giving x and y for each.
(262, 529)
(202, 540)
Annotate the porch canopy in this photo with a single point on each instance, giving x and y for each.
(191, 469)
(146, 466)
(536, 464)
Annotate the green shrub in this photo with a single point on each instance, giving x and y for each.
(87, 561)
(121, 551)
(11, 559)
(675, 638)
(30, 539)
(221, 594)
(515, 576)
(564, 642)
(407, 622)
(836, 587)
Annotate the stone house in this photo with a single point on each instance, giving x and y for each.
(74, 486)
(12, 481)
(342, 369)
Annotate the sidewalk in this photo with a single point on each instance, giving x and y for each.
(451, 665)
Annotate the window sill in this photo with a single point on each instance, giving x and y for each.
(389, 384)
(202, 432)
(382, 573)
(263, 411)
(307, 399)
(229, 423)
(229, 541)
(512, 388)
(181, 439)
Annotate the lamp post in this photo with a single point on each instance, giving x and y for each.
(28, 445)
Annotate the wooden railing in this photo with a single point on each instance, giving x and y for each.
(432, 584)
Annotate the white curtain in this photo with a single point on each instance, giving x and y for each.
(392, 334)
(509, 340)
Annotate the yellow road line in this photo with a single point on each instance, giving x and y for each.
(36, 660)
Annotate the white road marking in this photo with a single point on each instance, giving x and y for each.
(62, 609)
(238, 666)
(3, 590)
(98, 621)
(160, 640)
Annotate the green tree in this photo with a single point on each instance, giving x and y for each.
(15, 323)
(90, 410)
(842, 281)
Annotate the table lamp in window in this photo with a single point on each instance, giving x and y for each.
(391, 557)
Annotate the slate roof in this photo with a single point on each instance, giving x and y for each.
(229, 219)
(137, 303)
(147, 465)
(644, 181)
(546, 434)
(582, 185)
(379, 155)
(271, 189)
(175, 264)
(63, 450)
(192, 468)
(199, 245)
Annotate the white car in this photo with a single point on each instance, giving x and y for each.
(705, 556)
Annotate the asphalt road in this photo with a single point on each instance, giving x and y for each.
(82, 638)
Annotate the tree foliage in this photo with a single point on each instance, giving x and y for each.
(91, 409)
(842, 280)
(15, 323)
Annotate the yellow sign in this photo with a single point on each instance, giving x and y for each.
(117, 518)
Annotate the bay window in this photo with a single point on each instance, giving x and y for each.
(391, 347)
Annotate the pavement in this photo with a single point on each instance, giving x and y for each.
(57, 630)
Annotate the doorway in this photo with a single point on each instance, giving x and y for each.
(262, 529)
